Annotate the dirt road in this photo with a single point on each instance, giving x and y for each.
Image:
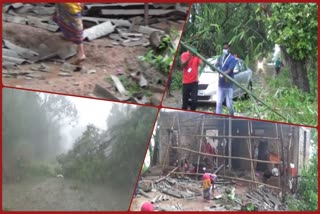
(59, 194)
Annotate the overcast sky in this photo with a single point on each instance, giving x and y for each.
(89, 111)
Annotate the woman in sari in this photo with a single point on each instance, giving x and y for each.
(69, 18)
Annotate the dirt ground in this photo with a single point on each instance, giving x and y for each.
(60, 194)
(103, 57)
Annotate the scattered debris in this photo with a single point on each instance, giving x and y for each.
(92, 71)
(122, 23)
(98, 31)
(69, 68)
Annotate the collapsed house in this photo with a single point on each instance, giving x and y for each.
(244, 151)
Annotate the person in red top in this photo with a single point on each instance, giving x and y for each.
(190, 64)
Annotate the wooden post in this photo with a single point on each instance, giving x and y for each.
(224, 147)
(284, 167)
(250, 150)
(202, 124)
(221, 156)
(146, 14)
(179, 130)
(278, 143)
(229, 143)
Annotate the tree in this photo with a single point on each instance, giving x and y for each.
(309, 183)
(29, 132)
(210, 25)
(294, 27)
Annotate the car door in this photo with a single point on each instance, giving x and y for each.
(237, 77)
(245, 73)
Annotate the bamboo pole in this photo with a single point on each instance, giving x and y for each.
(222, 156)
(239, 137)
(277, 133)
(234, 178)
(202, 124)
(284, 166)
(168, 146)
(146, 14)
(213, 67)
(224, 148)
(230, 144)
(250, 150)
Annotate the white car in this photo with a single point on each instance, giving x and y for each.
(208, 81)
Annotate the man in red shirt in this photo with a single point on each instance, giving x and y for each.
(190, 64)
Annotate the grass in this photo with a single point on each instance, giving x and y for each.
(295, 105)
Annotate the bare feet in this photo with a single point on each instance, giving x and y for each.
(79, 60)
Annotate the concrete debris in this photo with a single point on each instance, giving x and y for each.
(102, 89)
(8, 65)
(122, 23)
(65, 74)
(22, 52)
(69, 68)
(98, 31)
(119, 85)
(145, 30)
(141, 192)
(42, 67)
(92, 71)
(180, 189)
(143, 100)
(14, 60)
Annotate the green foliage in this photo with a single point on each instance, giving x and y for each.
(127, 135)
(294, 26)
(176, 80)
(85, 160)
(131, 137)
(307, 198)
(210, 25)
(38, 169)
(31, 130)
(163, 58)
(309, 183)
(131, 86)
(162, 62)
(297, 106)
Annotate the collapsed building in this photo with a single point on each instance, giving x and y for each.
(181, 136)
(244, 151)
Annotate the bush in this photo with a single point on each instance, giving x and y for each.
(176, 80)
(295, 105)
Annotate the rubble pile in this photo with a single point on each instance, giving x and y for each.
(122, 23)
(167, 194)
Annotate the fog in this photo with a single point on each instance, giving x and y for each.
(89, 112)
(59, 152)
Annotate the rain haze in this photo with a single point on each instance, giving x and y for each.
(60, 152)
(89, 112)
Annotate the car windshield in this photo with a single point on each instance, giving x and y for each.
(207, 69)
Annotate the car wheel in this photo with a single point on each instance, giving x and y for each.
(249, 87)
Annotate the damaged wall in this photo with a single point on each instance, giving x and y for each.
(296, 152)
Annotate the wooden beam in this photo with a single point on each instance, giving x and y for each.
(222, 156)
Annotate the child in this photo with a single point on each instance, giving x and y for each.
(206, 185)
